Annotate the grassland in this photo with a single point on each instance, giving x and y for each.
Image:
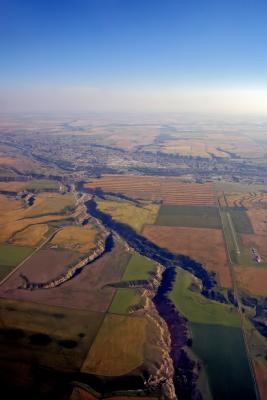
(123, 300)
(13, 255)
(189, 216)
(30, 236)
(77, 238)
(118, 346)
(223, 353)
(138, 268)
(130, 214)
(193, 243)
(197, 308)
(47, 207)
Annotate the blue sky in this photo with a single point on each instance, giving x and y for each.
(119, 46)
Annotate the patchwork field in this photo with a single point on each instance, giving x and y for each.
(87, 291)
(247, 200)
(223, 353)
(189, 216)
(197, 308)
(118, 347)
(135, 216)
(169, 190)
(193, 243)
(77, 238)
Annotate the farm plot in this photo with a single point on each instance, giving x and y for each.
(87, 291)
(10, 257)
(135, 216)
(258, 218)
(138, 268)
(252, 279)
(189, 216)
(247, 200)
(124, 299)
(119, 346)
(168, 190)
(241, 220)
(204, 245)
(223, 353)
(197, 308)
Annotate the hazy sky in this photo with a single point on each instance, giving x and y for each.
(132, 55)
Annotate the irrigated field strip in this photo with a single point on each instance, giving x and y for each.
(229, 230)
(168, 190)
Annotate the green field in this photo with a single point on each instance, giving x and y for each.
(13, 255)
(42, 185)
(138, 268)
(241, 220)
(223, 354)
(197, 308)
(5, 270)
(123, 299)
(189, 216)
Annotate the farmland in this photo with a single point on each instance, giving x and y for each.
(191, 216)
(87, 290)
(252, 279)
(118, 347)
(13, 255)
(197, 308)
(135, 216)
(193, 242)
(138, 268)
(123, 300)
(169, 190)
(223, 353)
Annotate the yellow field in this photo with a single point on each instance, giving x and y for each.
(31, 235)
(130, 214)
(78, 238)
(15, 216)
(118, 347)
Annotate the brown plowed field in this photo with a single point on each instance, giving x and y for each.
(168, 190)
(86, 291)
(247, 200)
(202, 244)
(252, 279)
(258, 241)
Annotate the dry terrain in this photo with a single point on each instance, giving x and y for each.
(76, 238)
(252, 279)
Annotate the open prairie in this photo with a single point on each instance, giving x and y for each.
(76, 238)
(30, 236)
(119, 346)
(204, 245)
(168, 189)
